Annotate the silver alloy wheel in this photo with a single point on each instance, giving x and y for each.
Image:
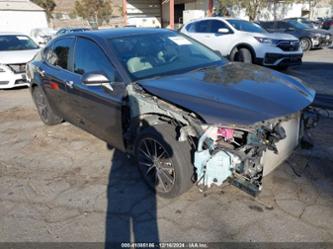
(156, 165)
(305, 44)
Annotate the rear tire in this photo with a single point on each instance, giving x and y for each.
(305, 44)
(164, 162)
(241, 55)
(44, 109)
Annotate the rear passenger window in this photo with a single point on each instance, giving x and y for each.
(60, 53)
(199, 27)
(190, 27)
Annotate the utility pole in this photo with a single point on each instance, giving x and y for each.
(172, 13)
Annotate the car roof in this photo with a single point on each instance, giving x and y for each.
(273, 21)
(118, 32)
(235, 18)
(216, 18)
(11, 33)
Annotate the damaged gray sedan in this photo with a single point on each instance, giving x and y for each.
(187, 115)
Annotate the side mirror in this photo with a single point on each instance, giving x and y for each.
(223, 31)
(97, 79)
(94, 79)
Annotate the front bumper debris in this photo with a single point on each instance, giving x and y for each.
(243, 156)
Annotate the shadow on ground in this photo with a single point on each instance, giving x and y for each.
(131, 205)
(311, 65)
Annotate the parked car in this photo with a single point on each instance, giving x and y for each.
(143, 21)
(42, 35)
(309, 38)
(309, 23)
(240, 40)
(328, 25)
(63, 31)
(185, 113)
(15, 51)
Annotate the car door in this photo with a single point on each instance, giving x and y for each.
(222, 42)
(56, 74)
(97, 108)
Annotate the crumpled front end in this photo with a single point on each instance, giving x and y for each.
(243, 155)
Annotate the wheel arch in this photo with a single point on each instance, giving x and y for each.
(243, 45)
(144, 120)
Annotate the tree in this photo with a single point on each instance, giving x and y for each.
(252, 7)
(47, 5)
(94, 11)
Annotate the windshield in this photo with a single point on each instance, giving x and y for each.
(298, 25)
(246, 26)
(16, 42)
(150, 55)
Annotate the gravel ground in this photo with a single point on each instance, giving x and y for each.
(61, 184)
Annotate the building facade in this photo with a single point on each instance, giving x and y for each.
(170, 13)
(21, 16)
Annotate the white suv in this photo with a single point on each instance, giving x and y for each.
(240, 40)
(15, 51)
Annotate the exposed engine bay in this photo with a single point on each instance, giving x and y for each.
(243, 156)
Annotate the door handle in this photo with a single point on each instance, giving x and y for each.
(69, 83)
(41, 72)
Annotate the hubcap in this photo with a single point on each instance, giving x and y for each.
(304, 44)
(156, 165)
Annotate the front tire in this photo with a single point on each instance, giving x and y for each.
(164, 162)
(305, 44)
(44, 109)
(241, 55)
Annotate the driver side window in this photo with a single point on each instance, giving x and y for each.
(200, 27)
(89, 57)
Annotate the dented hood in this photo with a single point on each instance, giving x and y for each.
(234, 93)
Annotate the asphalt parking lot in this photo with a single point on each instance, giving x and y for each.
(316, 70)
(61, 184)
